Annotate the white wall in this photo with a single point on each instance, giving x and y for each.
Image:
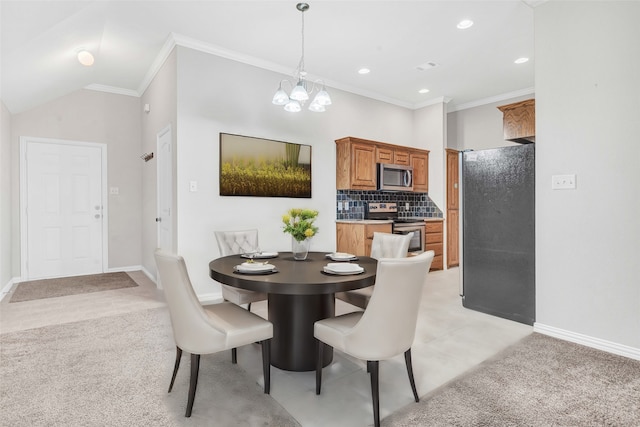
(161, 97)
(5, 196)
(479, 128)
(218, 95)
(92, 116)
(588, 124)
(429, 134)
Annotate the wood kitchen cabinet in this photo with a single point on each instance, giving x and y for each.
(396, 156)
(355, 164)
(434, 242)
(356, 237)
(519, 121)
(453, 212)
(356, 160)
(420, 162)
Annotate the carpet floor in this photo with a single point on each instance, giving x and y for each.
(540, 381)
(115, 371)
(64, 286)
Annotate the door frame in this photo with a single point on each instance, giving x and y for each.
(160, 170)
(24, 141)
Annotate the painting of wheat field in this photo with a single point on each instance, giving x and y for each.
(264, 168)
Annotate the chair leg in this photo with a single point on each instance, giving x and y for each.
(175, 367)
(374, 365)
(249, 307)
(320, 346)
(266, 365)
(234, 355)
(407, 359)
(193, 383)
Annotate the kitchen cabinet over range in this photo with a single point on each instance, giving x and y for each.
(356, 161)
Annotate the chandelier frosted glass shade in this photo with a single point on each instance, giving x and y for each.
(293, 106)
(280, 97)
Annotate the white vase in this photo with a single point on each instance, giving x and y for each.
(300, 248)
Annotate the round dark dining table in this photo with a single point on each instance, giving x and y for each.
(299, 294)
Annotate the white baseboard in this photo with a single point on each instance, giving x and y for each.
(119, 269)
(7, 288)
(608, 346)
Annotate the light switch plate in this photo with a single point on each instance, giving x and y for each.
(563, 182)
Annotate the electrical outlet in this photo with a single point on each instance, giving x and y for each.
(563, 182)
(339, 206)
(345, 205)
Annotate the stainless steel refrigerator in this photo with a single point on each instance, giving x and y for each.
(498, 232)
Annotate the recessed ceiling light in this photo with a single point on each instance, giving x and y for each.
(85, 58)
(423, 91)
(521, 60)
(364, 71)
(464, 24)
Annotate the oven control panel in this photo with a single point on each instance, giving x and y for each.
(382, 210)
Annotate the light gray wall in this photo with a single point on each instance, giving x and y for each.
(429, 134)
(92, 116)
(479, 128)
(5, 196)
(587, 117)
(218, 95)
(161, 97)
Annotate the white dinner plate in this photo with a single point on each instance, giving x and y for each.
(342, 268)
(342, 256)
(260, 255)
(254, 266)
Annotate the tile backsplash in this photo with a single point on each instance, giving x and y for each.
(420, 205)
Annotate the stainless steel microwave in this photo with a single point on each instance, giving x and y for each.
(395, 177)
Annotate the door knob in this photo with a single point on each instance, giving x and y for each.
(97, 216)
(158, 219)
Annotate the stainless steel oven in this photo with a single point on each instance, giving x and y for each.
(416, 245)
(389, 211)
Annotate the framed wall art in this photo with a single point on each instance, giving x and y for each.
(263, 167)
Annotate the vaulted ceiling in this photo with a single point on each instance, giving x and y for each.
(396, 40)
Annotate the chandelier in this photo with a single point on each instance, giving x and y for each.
(300, 91)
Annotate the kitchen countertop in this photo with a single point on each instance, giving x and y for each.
(384, 221)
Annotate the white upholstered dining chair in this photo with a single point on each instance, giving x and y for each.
(386, 328)
(233, 243)
(383, 245)
(204, 330)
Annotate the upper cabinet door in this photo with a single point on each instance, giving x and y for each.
(420, 162)
(363, 167)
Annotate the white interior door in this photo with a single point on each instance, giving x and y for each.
(164, 218)
(64, 209)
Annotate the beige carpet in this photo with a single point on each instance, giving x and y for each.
(540, 381)
(115, 371)
(60, 287)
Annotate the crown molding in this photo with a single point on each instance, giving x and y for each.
(175, 39)
(112, 89)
